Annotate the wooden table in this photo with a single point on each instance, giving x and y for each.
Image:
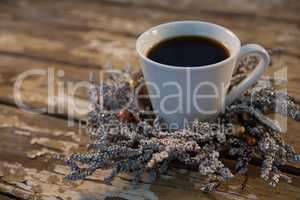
(78, 37)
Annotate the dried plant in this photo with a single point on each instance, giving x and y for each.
(125, 139)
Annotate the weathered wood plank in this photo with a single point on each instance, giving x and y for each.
(255, 188)
(79, 16)
(5, 197)
(277, 10)
(27, 170)
(29, 183)
(21, 133)
(53, 41)
(38, 91)
(49, 37)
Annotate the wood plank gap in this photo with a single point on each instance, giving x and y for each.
(6, 196)
(49, 60)
(225, 14)
(58, 116)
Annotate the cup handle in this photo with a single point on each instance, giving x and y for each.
(254, 75)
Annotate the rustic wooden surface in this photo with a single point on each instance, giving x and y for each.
(80, 37)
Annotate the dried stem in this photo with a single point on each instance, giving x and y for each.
(127, 142)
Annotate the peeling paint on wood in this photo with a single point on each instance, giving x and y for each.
(60, 145)
(21, 132)
(46, 184)
(35, 153)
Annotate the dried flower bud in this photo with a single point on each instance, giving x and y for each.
(245, 116)
(137, 75)
(251, 140)
(241, 130)
(143, 101)
(126, 117)
(136, 79)
(134, 83)
(238, 130)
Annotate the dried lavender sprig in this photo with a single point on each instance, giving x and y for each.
(269, 100)
(145, 147)
(263, 120)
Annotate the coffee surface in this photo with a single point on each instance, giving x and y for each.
(188, 51)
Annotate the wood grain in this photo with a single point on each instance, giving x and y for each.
(78, 37)
(39, 92)
(28, 177)
(131, 20)
(242, 8)
(49, 38)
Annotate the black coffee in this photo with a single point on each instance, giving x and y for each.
(188, 51)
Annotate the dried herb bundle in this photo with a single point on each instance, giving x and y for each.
(125, 139)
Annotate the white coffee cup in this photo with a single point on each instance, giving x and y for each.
(181, 94)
